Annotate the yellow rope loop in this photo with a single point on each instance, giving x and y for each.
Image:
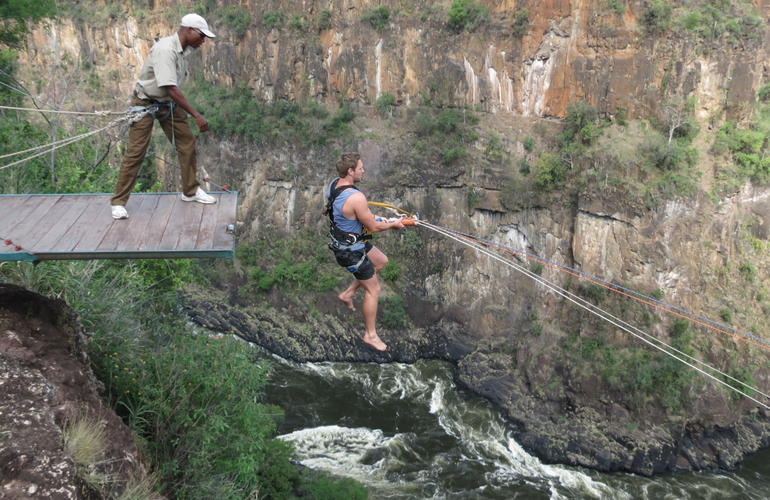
(392, 207)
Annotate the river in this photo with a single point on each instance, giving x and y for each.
(408, 431)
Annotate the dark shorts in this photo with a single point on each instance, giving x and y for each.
(347, 258)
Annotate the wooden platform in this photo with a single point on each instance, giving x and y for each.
(80, 226)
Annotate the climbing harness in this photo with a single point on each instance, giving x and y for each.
(349, 248)
(153, 109)
(341, 240)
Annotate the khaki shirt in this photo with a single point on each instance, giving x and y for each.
(166, 65)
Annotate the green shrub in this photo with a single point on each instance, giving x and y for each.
(520, 23)
(717, 18)
(237, 19)
(726, 315)
(580, 124)
(325, 488)
(443, 135)
(391, 272)
(657, 18)
(235, 112)
(664, 155)
(325, 19)
(747, 148)
(495, 151)
(595, 293)
(617, 6)
(452, 155)
(301, 263)
(378, 17)
(748, 271)
(743, 375)
(298, 23)
(763, 94)
(550, 172)
(392, 311)
(466, 15)
(273, 19)
(15, 15)
(385, 103)
(529, 144)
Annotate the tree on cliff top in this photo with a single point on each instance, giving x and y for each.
(15, 14)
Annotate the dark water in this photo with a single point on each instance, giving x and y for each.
(406, 431)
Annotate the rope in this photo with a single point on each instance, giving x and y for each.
(10, 243)
(584, 304)
(13, 88)
(392, 207)
(127, 116)
(631, 294)
(604, 314)
(62, 112)
(222, 188)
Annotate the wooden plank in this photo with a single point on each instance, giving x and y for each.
(59, 227)
(38, 217)
(205, 238)
(225, 216)
(160, 220)
(117, 231)
(191, 222)
(95, 219)
(97, 228)
(68, 209)
(140, 217)
(25, 210)
(175, 226)
(11, 210)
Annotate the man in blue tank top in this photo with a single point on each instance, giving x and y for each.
(351, 222)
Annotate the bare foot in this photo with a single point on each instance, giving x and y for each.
(375, 342)
(348, 300)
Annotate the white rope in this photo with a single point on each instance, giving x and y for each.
(13, 88)
(582, 303)
(71, 140)
(57, 111)
(48, 146)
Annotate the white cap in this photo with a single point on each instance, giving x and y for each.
(197, 22)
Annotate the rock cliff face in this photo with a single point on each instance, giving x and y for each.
(512, 340)
(568, 51)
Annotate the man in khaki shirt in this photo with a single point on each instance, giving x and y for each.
(162, 74)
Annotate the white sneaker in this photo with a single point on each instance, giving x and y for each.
(200, 196)
(119, 212)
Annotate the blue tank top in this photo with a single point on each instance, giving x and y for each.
(342, 222)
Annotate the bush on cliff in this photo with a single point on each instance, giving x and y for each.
(466, 15)
(378, 17)
(235, 112)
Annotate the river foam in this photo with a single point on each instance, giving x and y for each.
(396, 465)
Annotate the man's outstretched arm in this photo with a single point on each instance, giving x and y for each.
(366, 217)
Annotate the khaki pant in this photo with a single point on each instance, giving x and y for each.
(139, 139)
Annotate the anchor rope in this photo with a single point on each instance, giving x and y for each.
(605, 315)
